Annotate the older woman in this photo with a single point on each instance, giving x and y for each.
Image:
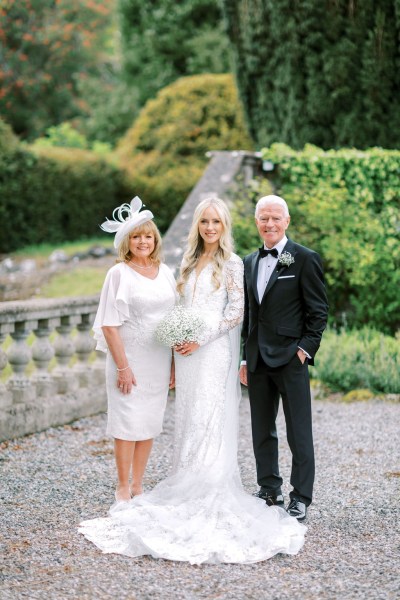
(137, 293)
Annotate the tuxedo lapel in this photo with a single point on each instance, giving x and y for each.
(254, 274)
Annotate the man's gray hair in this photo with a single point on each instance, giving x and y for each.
(265, 200)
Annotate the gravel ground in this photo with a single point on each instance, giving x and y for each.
(52, 480)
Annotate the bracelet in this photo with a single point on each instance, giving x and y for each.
(124, 369)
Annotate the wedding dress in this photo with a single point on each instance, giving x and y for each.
(200, 513)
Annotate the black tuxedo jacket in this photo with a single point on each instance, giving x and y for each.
(293, 311)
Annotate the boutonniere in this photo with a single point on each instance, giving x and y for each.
(286, 259)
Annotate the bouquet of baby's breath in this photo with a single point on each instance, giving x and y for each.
(180, 325)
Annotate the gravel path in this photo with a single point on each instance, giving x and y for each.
(52, 480)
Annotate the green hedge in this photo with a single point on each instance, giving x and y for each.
(345, 205)
(54, 194)
(351, 360)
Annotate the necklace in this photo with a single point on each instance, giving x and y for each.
(139, 266)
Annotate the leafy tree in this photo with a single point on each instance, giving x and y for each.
(112, 106)
(320, 72)
(163, 40)
(47, 48)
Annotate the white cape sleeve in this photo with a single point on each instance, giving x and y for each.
(113, 307)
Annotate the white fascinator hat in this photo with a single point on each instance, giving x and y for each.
(126, 218)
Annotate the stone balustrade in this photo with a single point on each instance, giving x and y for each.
(50, 373)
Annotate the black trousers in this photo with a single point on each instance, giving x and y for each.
(291, 382)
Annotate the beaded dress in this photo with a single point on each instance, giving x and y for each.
(200, 513)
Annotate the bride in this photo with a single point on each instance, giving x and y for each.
(200, 513)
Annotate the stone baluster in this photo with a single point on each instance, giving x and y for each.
(84, 346)
(5, 394)
(19, 356)
(42, 353)
(99, 368)
(64, 350)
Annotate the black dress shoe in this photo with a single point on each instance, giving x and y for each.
(297, 509)
(269, 498)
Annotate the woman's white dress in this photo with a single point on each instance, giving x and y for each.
(136, 305)
(200, 513)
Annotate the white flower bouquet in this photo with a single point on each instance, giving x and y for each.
(180, 325)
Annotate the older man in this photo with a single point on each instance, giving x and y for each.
(285, 315)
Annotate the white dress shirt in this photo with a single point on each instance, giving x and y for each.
(266, 267)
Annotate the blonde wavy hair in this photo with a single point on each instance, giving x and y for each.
(195, 243)
(124, 254)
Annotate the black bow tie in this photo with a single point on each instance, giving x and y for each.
(263, 252)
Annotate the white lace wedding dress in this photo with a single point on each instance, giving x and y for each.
(200, 513)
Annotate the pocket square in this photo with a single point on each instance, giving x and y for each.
(286, 276)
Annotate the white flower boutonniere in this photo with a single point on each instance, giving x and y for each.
(286, 259)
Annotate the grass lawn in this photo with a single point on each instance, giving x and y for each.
(42, 251)
(81, 281)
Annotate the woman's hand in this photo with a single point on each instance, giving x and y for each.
(187, 348)
(125, 381)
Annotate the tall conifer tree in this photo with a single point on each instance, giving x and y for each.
(319, 71)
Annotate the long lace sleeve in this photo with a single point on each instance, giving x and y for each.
(233, 313)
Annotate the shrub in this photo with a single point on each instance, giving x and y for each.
(63, 135)
(8, 140)
(164, 152)
(352, 360)
(66, 136)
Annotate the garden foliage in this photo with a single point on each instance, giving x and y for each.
(47, 49)
(53, 194)
(164, 152)
(318, 72)
(163, 40)
(372, 361)
(345, 205)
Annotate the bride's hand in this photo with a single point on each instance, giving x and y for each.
(187, 348)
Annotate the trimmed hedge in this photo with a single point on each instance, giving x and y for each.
(54, 194)
(164, 152)
(345, 205)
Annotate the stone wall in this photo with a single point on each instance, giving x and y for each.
(58, 377)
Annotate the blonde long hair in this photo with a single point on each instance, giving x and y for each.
(124, 254)
(195, 243)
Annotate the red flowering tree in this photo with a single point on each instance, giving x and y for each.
(46, 48)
